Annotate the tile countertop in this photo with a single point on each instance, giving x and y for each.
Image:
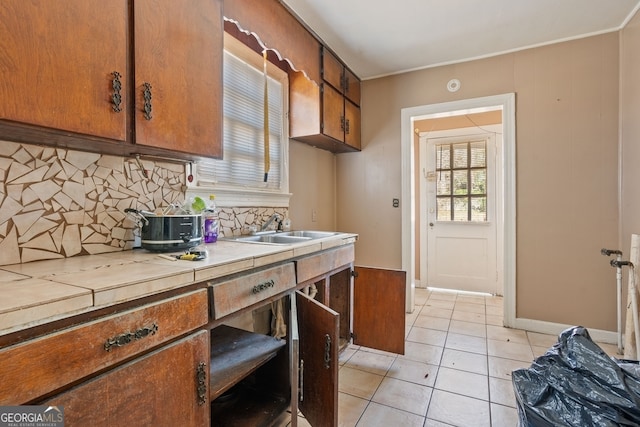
(43, 291)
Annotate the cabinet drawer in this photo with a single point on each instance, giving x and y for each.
(316, 265)
(46, 364)
(244, 291)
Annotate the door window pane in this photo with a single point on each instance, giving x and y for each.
(478, 181)
(460, 158)
(478, 154)
(461, 209)
(443, 184)
(460, 184)
(444, 209)
(443, 156)
(478, 209)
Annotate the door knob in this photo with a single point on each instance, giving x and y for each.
(430, 224)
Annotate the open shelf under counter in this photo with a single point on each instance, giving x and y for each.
(236, 353)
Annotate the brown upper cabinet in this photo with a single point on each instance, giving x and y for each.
(178, 75)
(67, 75)
(326, 115)
(57, 65)
(324, 95)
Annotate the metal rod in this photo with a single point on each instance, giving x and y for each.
(617, 263)
(619, 301)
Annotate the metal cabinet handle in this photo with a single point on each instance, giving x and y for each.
(327, 351)
(127, 337)
(346, 126)
(263, 286)
(202, 382)
(146, 94)
(301, 388)
(116, 97)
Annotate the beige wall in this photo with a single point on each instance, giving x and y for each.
(312, 178)
(566, 172)
(630, 132)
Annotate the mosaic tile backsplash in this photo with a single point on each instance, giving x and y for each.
(57, 203)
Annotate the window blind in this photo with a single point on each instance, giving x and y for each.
(243, 124)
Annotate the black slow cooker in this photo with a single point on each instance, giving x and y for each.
(166, 233)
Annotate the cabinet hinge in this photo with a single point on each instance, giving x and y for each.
(353, 336)
(354, 273)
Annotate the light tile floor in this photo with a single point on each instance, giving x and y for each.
(456, 370)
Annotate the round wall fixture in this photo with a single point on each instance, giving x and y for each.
(453, 85)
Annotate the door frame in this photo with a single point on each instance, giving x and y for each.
(506, 102)
(495, 195)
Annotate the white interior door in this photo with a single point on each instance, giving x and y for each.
(460, 213)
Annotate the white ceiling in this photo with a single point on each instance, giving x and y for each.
(381, 37)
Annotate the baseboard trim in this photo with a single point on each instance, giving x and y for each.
(551, 328)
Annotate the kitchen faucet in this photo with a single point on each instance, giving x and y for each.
(273, 217)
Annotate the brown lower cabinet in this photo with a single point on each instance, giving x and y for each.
(164, 388)
(255, 377)
(175, 360)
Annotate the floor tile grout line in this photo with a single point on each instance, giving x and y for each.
(444, 347)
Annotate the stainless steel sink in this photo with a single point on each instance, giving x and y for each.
(271, 238)
(283, 238)
(309, 234)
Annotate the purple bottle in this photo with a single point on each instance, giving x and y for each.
(211, 222)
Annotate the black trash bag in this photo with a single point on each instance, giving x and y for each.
(575, 383)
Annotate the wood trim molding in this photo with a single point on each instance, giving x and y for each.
(268, 24)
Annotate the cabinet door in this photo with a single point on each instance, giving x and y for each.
(165, 388)
(332, 113)
(332, 70)
(178, 75)
(352, 124)
(294, 358)
(379, 309)
(57, 62)
(318, 332)
(351, 87)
